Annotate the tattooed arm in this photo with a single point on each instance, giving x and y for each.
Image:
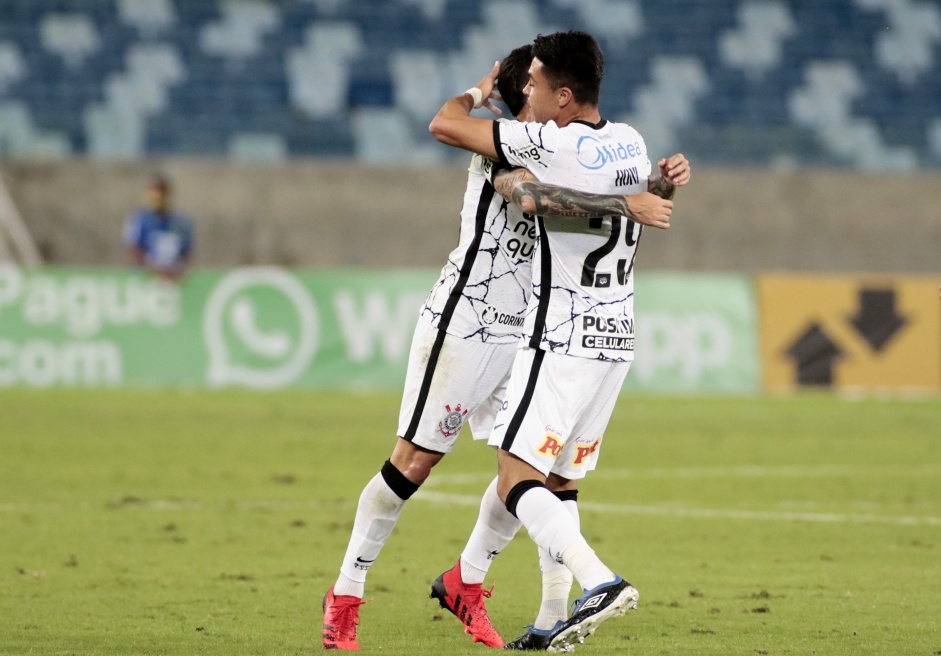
(521, 188)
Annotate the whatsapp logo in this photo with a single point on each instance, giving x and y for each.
(261, 329)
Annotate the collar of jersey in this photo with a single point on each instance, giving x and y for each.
(596, 126)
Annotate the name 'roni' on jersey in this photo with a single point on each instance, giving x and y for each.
(583, 288)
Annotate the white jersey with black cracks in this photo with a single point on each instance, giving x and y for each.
(484, 287)
(583, 284)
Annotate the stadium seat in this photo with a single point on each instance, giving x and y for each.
(340, 40)
(755, 46)
(824, 100)
(908, 47)
(114, 132)
(832, 82)
(12, 65)
(15, 125)
(72, 36)
(258, 147)
(240, 32)
(675, 84)
(934, 139)
(158, 61)
(432, 9)
(19, 136)
(611, 21)
(387, 136)
(317, 86)
(150, 17)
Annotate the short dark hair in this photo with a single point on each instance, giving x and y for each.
(574, 60)
(514, 75)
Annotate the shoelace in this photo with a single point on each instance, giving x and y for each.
(576, 603)
(472, 596)
(346, 616)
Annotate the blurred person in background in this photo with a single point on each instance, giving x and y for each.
(159, 239)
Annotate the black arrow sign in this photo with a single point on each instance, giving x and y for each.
(814, 353)
(877, 320)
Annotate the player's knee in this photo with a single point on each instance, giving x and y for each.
(414, 463)
(397, 481)
(515, 493)
(557, 483)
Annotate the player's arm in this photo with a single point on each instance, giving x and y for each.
(453, 125)
(674, 172)
(521, 188)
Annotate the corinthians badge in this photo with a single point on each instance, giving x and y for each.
(453, 421)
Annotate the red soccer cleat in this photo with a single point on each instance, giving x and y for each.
(467, 604)
(340, 617)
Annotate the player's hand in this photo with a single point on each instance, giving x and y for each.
(675, 169)
(487, 88)
(650, 210)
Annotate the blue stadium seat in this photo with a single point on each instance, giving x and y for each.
(305, 76)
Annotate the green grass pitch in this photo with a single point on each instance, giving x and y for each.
(178, 523)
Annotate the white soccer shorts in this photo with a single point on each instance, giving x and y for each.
(451, 381)
(557, 409)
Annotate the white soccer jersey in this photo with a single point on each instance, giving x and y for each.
(583, 288)
(484, 288)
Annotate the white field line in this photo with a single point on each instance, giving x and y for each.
(745, 471)
(472, 501)
(784, 471)
(430, 491)
(701, 513)
(168, 504)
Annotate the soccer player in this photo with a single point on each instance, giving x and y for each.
(460, 359)
(579, 324)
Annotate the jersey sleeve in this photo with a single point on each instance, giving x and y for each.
(529, 145)
(491, 168)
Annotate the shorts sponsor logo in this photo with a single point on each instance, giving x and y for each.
(551, 445)
(582, 451)
(453, 421)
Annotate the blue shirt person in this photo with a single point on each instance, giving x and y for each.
(158, 238)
